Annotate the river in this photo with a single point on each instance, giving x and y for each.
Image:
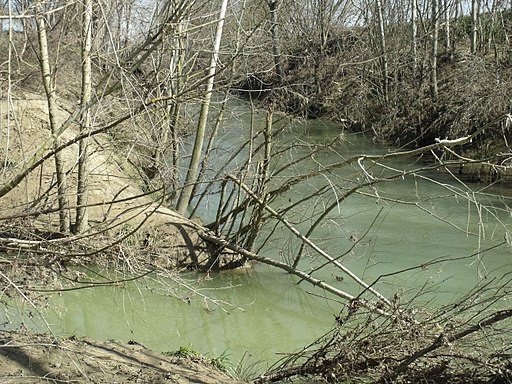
(262, 313)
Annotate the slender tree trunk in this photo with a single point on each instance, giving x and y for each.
(276, 44)
(433, 57)
(127, 23)
(474, 24)
(491, 29)
(186, 193)
(263, 179)
(383, 59)
(119, 25)
(8, 95)
(414, 37)
(168, 149)
(180, 79)
(174, 121)
(447, 28)
(51, 97)
(81, 223)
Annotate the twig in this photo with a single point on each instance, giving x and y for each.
(309, 242)
(208, 236)
(443, 339)
(27, 299)
(93, 284)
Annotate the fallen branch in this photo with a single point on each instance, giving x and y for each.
(443, 339)
(307, 241)
(208, 236)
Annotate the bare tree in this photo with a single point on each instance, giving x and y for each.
(186, 193)
(383, 54)
(447, 12)
(475, 11)
(414, 36)
(433, 55)
(51, 96)
(273, 6)
(81, 222)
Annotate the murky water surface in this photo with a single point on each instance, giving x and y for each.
(394, 226)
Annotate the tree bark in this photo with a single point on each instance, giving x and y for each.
(81, 223)
(475, 5)
(51, 97)
(263, 180)
(433, 57)
(414, 37)
(383, 59)
(276, 44)
(168, 150)
(447, 27)
(186, 193)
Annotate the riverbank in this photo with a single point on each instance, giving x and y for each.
(31, 358)
(399, 106)
(130, 231)
(39, 258)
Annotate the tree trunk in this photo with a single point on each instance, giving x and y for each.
(263, 180)
(383, 59)
(51, 97)
(414, 37)
(447, 28)
(169, 140)
(276, 44)
(186, 193)
(433, 58)
(474, 24)
(81, 223)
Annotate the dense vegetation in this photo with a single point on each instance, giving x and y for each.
(389, 81)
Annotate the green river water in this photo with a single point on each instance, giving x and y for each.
(264, 313)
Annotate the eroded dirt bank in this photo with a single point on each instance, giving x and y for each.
(29, 358)
(131, 230)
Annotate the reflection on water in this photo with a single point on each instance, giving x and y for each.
(268, 315)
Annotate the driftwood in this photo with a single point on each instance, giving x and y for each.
(385, 356)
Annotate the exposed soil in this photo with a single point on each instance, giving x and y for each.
(136, 234)
(112, 177)
(28, 358)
